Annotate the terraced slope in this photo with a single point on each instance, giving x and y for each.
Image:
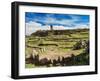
(54, 44)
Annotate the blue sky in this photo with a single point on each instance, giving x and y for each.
(42, 21)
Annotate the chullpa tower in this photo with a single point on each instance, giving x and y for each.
(51, 30)
(51, 27)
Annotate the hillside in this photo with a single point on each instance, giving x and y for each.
(56, 44)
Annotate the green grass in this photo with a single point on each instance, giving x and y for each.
(79, 35)
(28, 50)
(64, 43)
(29, 65)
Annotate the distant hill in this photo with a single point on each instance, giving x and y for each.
(43, 33)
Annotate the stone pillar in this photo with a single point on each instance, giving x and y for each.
(51, 27)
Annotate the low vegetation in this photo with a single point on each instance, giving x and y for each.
(47, 48)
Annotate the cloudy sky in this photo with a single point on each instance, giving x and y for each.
(42, 21)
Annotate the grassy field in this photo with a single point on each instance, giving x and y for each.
(54, 44)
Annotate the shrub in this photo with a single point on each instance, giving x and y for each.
(77, 46)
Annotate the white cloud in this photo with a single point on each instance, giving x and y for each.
(81, 26)
(34, 26)
(50, 20)
(78, 26)
(60, 27)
